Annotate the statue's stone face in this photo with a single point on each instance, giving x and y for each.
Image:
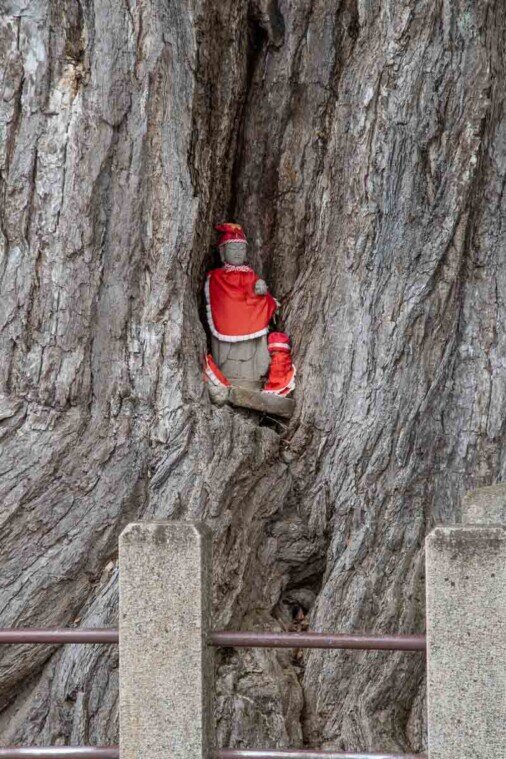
(234, 253)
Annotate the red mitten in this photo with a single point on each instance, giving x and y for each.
(281, 379)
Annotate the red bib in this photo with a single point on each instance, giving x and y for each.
(234, 311)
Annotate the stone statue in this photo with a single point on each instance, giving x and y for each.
(239, 309)
(239, 312)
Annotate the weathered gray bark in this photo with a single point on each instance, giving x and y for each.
(362, 144)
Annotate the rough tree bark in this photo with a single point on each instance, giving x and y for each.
(362, 144)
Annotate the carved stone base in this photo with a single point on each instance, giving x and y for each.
(252, 399)
(266, 402)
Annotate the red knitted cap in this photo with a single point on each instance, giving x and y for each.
(230, 233)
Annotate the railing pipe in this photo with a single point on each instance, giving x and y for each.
(112, 752)
(69, 635)
(230, 753)
(229, 639)
(60, 752)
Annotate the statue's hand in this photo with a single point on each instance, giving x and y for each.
(260, 287)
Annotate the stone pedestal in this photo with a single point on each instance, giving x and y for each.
(466, 636)
(267, 403)
(165, 664)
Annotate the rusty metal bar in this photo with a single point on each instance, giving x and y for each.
(230, 753)
(60, 752)
(69, 635)
(112, 752)
(229, 639)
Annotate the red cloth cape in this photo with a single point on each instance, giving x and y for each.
(234, 311)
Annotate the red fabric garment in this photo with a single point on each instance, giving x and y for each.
(213, 374)
(281, 379)
(230, 233)
(234, 311)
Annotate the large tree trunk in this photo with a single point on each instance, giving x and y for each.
(362, 144)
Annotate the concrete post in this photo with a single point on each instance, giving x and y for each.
(466, 632)
(165, 664)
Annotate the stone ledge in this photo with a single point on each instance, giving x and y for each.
(258, 401)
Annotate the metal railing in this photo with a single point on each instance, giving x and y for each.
(60, 752)
(231, 753)
(217, 638)
(112, 752)
(230, 639)
(317, 640)
(57, 635)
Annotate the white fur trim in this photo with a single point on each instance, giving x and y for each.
(227, 338)
(239, 267)
(212, 376)
(233, 239)
(284, 346)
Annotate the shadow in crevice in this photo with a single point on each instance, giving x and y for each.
(257, 40)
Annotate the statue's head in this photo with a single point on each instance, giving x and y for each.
(232, 244)
(233, 253)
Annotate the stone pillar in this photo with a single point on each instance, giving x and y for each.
(466, 631)
(165, 664)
